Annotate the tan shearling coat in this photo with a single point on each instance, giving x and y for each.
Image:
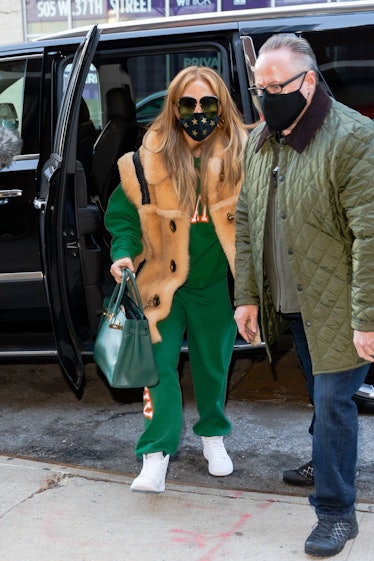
(165, 228)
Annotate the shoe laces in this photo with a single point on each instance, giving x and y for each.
(337, 530)
(306, 470)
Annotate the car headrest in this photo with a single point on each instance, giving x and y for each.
(120, 104)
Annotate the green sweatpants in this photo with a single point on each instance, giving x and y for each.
(207, 316)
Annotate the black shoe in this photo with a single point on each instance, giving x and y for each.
(330, 536)
(302, 476)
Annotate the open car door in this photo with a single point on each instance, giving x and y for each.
(67, 223)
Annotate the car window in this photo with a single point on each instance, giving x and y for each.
(160, 68)
(20, 99)
(92, 97)
(12, 80)
(91, 93)
(149, 107)
(346, 63)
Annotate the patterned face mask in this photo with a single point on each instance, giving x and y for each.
(198, 126)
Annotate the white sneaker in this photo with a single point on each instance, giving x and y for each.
(219, 462)
(152, 477)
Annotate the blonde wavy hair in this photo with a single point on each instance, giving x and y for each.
(178, 157)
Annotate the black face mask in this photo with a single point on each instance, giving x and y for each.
(198, 126)
(281, 110)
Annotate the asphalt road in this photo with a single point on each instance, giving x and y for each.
(42, 418)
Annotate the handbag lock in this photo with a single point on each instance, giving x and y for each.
(116, 325)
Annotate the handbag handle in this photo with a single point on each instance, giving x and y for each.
(132, 293)
(119, 296)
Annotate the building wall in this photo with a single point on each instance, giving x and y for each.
(11, 21)
(23, 20)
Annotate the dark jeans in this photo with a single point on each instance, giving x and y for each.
(335, 430)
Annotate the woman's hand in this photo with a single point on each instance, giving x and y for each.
(118, 266)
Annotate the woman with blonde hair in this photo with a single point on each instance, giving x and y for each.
(179, 236)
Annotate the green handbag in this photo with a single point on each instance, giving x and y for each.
(123, 349)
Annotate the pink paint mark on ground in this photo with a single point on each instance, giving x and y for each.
(237, 494)
(266, 504)
(201, 539)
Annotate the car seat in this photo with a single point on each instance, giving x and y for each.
(118, 136)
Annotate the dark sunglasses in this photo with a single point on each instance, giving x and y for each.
(208, 104)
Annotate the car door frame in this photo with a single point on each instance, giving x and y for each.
(59, 235)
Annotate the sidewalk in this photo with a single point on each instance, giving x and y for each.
(56, 513)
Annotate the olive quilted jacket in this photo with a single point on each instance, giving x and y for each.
(326, 201)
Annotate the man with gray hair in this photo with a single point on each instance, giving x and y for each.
(305, 259)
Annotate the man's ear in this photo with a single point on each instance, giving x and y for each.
(311, 80)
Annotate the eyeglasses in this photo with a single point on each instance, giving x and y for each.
(276, 88)
(208, 104)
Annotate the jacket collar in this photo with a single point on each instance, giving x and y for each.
(308, 125)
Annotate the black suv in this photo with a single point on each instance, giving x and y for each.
(73, 98)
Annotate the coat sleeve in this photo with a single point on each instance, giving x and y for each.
(122, 222)
(246, 291)
(355, 178)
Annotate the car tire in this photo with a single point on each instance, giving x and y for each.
(364, 397)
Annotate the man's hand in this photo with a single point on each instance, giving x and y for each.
(246, 320)
(364, 343)
(119, 265)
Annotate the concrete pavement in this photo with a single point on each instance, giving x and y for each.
(57, 512)
(42, 419)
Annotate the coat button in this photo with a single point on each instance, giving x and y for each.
(172, 225)
(308, 323)
(156, 300)
(173, 266)
(281, 178)
(299, 287)
(283, 215)
(290, 251)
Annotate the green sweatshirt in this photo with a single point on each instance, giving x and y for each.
(208, 262)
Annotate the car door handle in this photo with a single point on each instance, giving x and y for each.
(6, 194)
(39, 204)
